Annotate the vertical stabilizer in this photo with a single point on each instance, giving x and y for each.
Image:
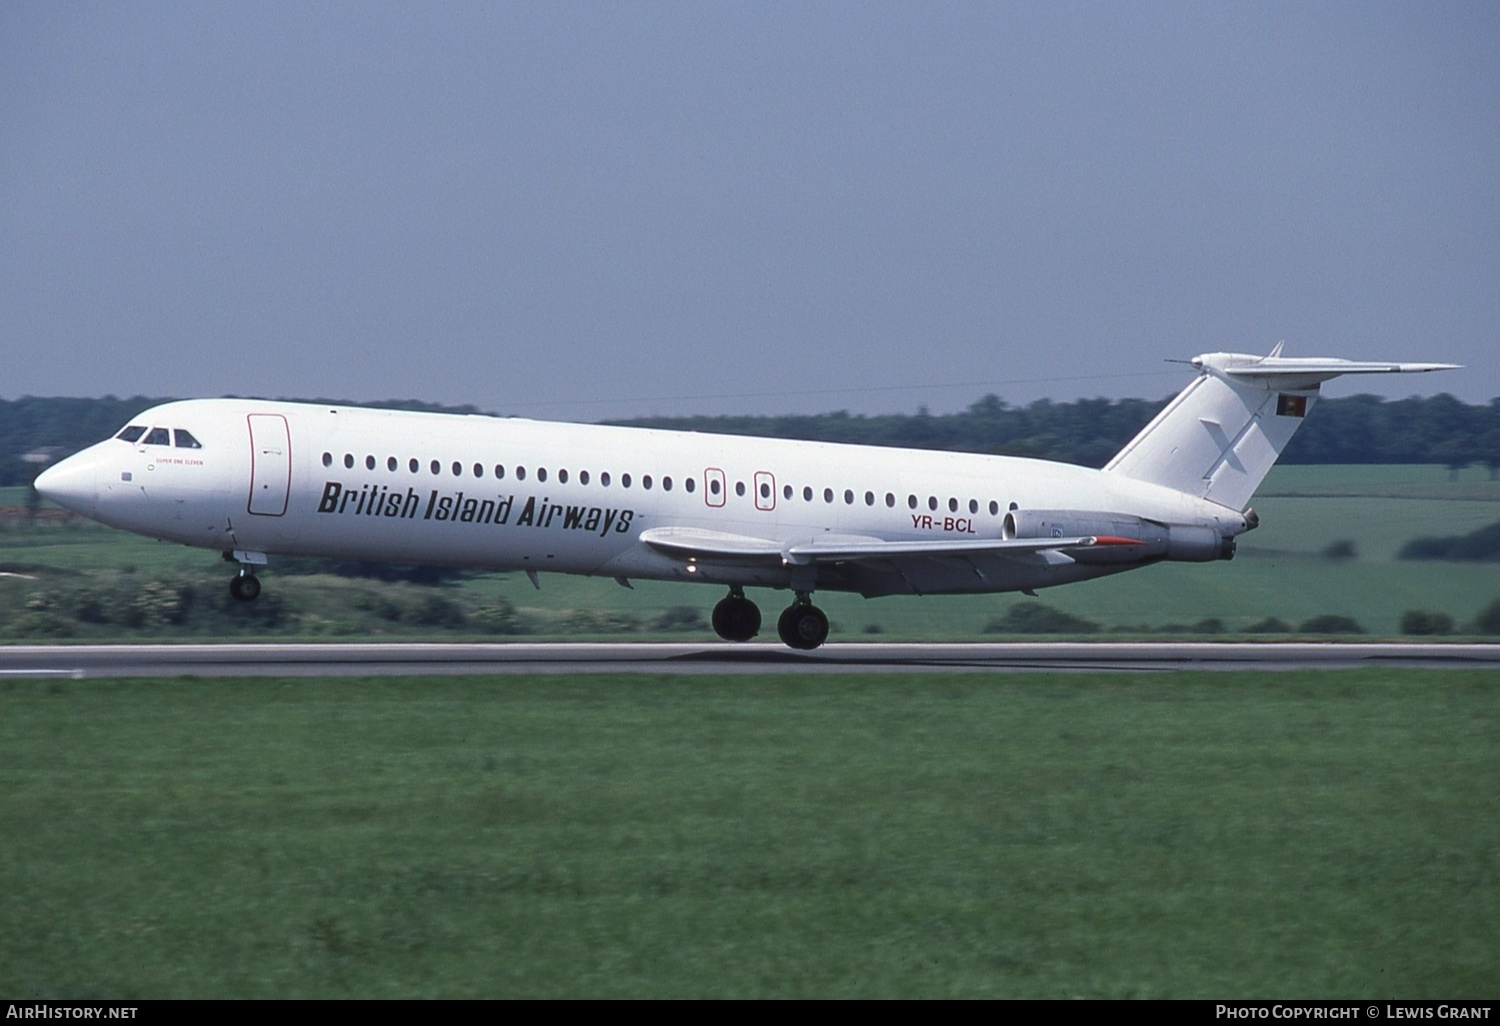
(1221, 435)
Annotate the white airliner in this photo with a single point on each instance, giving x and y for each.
(251, 478)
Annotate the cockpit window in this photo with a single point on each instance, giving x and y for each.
(131, 433)
(185, 439)
(157, 436)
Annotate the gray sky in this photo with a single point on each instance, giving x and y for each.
(591, 210)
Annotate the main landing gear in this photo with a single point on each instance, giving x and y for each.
(736, 618)
(802, 626)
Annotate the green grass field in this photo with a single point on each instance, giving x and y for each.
(1087, 835)
(1280, 571)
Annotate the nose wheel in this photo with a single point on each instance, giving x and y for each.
(803, 625)
(245, 587)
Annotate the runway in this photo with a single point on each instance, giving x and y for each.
(383, 660)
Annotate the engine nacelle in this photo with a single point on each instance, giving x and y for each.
(1192, 543)
(1196, 543)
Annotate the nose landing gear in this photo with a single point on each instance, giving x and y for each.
(245, 587)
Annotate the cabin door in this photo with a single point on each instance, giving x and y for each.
(270, 464)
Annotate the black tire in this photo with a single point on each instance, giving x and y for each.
(736, 618)
(246, 587)
(803, 627)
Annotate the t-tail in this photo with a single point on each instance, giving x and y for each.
(1219, 438)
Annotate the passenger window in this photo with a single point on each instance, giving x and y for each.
(369, 462)
(869, 498)
(848, 497)
(994, 507)
(185, 439)
(328, 459)
(604, 479)
(932, 502)
(739, 489)
(646, 482)
(583, 477)
(390, 464)
(541, 474)
(952, 505)
(624, 480)
(158, 436)
(827, 494)
(765, 490)
(499, 472)
(890, 500)
(807, 493)
(911, 502)
(458, 469)
(478, 470)
(520, 473)
(562, 477)
(435, 467)
(131, 433)
(690, 484)
(973, 505)
(666, 484)
(786, 491)
(413, 465)
(348, 461)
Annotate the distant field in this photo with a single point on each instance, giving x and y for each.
(1280, 571)
(1220, 835)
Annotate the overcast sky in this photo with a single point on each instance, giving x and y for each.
(584, 210)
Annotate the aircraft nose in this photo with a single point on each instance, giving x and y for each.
(72, 484)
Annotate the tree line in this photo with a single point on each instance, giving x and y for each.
(1357, 429)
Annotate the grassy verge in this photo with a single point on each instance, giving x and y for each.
(1184, 835)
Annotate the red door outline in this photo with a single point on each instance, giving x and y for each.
(765, 490)
(711, 477)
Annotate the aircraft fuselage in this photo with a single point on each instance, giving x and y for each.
(512, 494)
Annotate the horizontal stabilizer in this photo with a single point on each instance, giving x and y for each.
(1293, 374)
(1218, 439)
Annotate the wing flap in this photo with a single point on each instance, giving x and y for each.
(700, 544)
(696, 543)
(843, 552)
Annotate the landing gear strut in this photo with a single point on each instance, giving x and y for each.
(736, 618)
(803, 625)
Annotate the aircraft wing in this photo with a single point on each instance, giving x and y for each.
(699, 544)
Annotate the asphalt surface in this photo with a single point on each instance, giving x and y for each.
(359, 660)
